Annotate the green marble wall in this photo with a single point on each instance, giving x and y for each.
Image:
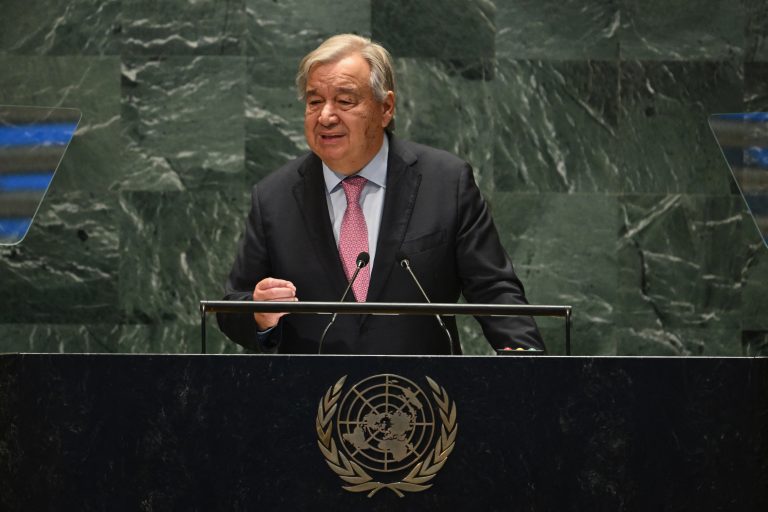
(586, 122)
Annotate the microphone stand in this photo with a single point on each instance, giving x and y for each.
(406, 264)
(362, 260)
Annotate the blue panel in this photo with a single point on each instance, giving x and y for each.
(756, 156)
(53, 134)
(24, 182)
(14, 229)
(755, 117)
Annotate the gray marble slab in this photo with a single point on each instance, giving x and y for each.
(51, 27)
(178, 27)
(666, 142)
(558, 29)
(449, 29)
(288, 29)
(66, 269)
(566, 262)
(691, 30)
(681, 261)
(175, 137)
(448, 105)
(179, 249)
(756, 30)
(274, 117)
(556, 127)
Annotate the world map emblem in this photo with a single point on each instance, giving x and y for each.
(385, 432)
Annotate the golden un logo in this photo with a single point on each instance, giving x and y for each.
(389, 435)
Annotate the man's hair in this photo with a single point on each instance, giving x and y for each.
(336, 48)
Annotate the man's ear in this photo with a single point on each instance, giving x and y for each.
(388, 109)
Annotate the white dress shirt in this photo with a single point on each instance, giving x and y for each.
(371, 197)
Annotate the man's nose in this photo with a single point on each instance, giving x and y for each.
(328, 114)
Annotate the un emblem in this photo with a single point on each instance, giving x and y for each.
(387, 429)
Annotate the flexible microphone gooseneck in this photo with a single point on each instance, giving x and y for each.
(362, 260)
(404, 262)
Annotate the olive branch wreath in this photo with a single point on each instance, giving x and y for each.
(359, 480)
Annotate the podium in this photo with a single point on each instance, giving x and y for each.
(209, 433)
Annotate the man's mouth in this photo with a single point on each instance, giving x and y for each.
(331, 136)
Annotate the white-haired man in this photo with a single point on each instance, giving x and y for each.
(363, 189)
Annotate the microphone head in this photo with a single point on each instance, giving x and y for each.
(402, 259)
(362, 259)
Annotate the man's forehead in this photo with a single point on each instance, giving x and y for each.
(350, 74)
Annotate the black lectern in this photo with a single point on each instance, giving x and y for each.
(209, 433)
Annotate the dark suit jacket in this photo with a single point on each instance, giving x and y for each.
(433, 212)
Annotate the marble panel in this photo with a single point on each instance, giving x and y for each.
(755, 343)
(667, 145)
(446, 105)
(473, 343)
(292, 28)
(183, 123)
(556, 126)
(179, 27)
(177, 249)
(682, 29)
(756, 30)
(557, 29)
(650, 341)
(754, 295)
(53, 338)
(51, 27)
(563, 250)
(449, 29)
(90, 84)
(168, 338)
(755, 87)
(65, 270)
(274, 117)
(682, 260)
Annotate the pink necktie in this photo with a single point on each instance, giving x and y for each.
(354, 236)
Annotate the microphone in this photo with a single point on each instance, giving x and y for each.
(404, 262)
(362, 260)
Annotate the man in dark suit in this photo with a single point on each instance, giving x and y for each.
(363, 189)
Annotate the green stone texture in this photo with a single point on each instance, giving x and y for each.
(756, 30)
(278, 29)
(585, 123)
(274, 117)
(52, 27)
(682, 30)
(203, 27)
(557, 29)
(447, 29)
(666, 142)
(557, 126)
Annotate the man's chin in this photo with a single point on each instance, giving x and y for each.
(334, 159)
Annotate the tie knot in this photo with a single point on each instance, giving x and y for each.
(352, 188)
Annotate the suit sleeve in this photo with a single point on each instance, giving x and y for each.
(486, 272)
(251, 266)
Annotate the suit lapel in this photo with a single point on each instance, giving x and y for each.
(310, 196)
(402, 187)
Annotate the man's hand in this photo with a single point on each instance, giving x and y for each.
(276, 290)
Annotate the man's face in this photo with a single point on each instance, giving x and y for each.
(343, 122)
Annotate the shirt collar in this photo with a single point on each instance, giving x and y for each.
(374, 171)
